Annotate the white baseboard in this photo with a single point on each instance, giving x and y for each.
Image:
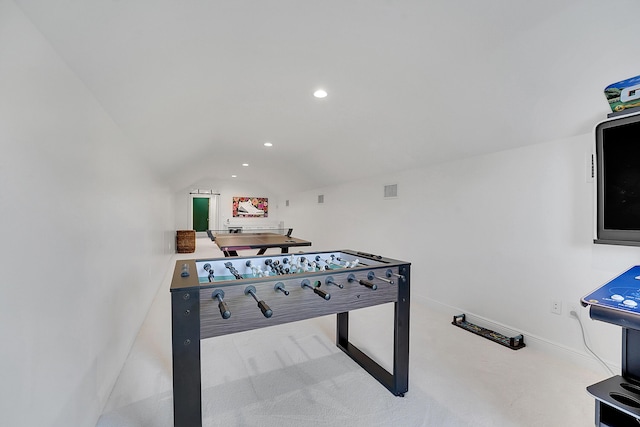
(533, 341)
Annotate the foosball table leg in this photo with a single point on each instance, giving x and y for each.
(342, 329)
(396, 382)
(401, 336)
(187, 393)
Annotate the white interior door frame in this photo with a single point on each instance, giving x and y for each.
(214, 209)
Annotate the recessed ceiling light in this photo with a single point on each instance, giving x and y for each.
(320, 93)
(245, 164)
(268, 144)
(234, 176)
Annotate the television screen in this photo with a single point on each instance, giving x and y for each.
(618, 181)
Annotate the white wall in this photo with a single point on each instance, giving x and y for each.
(86, 236)
(228, 190)
(497, 236)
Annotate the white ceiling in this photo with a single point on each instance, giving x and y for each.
(198, 86)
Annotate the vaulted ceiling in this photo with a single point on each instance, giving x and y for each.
(197, 86)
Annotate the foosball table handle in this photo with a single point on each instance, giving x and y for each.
(316, 290)
(264, 308)
(222, 306)
(365, 283)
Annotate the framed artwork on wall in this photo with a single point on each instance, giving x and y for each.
(250, 207)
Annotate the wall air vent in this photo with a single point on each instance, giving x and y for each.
(391, 191)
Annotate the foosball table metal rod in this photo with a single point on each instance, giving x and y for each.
(222, 306)
(322, 294)
(264, 308)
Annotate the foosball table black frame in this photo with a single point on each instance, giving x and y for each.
(187, 317)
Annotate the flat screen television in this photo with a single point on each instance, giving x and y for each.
(618, 181)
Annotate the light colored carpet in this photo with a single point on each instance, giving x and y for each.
(294, 375)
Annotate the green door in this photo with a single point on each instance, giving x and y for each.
(201, 213)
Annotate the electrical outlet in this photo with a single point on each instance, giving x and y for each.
(556, 307)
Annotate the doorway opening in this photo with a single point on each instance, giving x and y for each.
(204, 211)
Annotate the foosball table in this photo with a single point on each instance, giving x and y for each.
(215, 297)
